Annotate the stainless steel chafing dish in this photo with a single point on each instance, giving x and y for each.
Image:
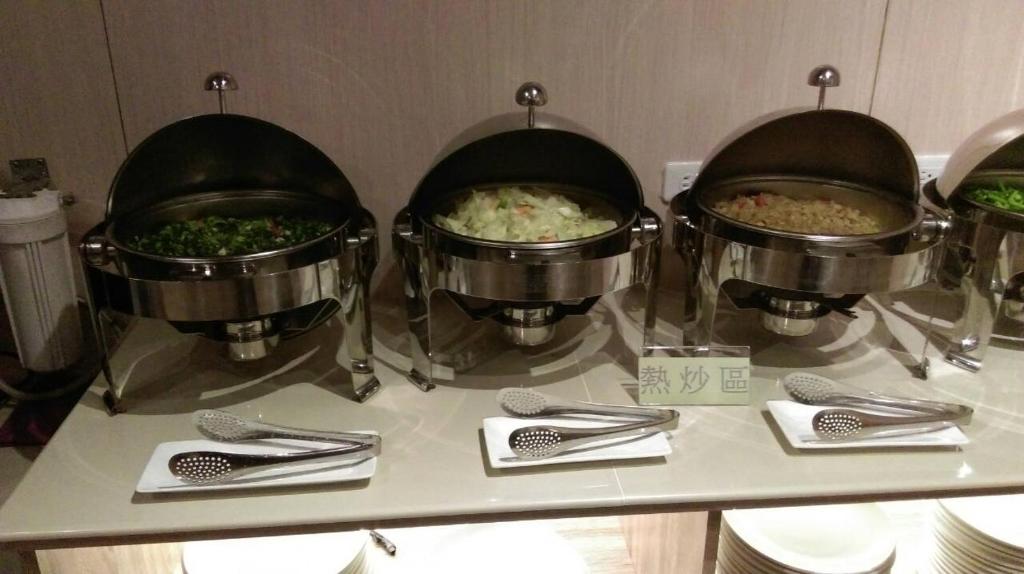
(984, 263)
(526, 287)
(796, 278)
(236, 166)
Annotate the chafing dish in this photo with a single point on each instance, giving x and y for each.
(797, 278)
(238, 166)
(526, 287)
(984, 263)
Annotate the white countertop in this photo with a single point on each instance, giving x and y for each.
(433, 469)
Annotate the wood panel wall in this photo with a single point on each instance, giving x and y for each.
(57, 99)
(382, 85)
(948, 67)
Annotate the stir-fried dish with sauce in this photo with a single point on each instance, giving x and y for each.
(818, 216)
(214, 236)
(522, 214)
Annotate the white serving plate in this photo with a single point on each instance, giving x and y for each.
(833, 539)
(502, 548)
(951, 531)
(327, 553)
(795, 421)
(156, 477)
(746, 559)
(999, 518)
(500, 455)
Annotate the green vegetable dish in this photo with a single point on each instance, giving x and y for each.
(1005, 197)
(215, 236)
(527, 214)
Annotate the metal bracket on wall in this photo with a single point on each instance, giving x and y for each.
(28, 176)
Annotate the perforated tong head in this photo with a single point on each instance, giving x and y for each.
(222, 426)
(528, 403)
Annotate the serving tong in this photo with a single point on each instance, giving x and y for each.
(544, 441)
(903, 416)
(222, 426)
(209, 467)
(849, 424)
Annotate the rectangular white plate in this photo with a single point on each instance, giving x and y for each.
(500, 455)
(156, 477)
(795, 421)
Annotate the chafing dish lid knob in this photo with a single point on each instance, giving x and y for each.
(531, 95)
(220, 82)
(823, 77)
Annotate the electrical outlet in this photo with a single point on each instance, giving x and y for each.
(930, 167)
(679, 176)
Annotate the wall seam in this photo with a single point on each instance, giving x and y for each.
(878, 59)
(113, 76)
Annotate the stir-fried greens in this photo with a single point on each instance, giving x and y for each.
(522, 214)
(214, 236)
(1005, 197)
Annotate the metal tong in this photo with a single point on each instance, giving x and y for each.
(528, 403)
(849, 424)
(812, 389)
(225, 427)
(208, 467)
(544, 441)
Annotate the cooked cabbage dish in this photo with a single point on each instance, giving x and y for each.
(214, 236)
(523, 214)
(1005, 197)
(798, 215)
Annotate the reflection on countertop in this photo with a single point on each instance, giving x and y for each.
(433, 468)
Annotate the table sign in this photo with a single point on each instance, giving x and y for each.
(694, 376)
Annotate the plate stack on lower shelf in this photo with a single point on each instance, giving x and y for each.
(979, 534)
(530, 547)
(329, 553)
(836, 539)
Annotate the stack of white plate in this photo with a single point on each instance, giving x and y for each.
(531, 547)
(330, 553)
(981, 534)
(834, 539)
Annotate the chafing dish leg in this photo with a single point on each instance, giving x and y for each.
(107, 335)
(983, 265)
(650, 282)
(418, 308)
(356, 316)
(407, 247)
(701, 256)
(105, 340)
(705, 307)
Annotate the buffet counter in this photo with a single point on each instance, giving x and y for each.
(434, 467)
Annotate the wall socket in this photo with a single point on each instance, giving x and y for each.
(930, 167)
(679, 175)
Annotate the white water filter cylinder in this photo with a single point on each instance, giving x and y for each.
(37, 278)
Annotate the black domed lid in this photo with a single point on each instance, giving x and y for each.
(222, 152)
